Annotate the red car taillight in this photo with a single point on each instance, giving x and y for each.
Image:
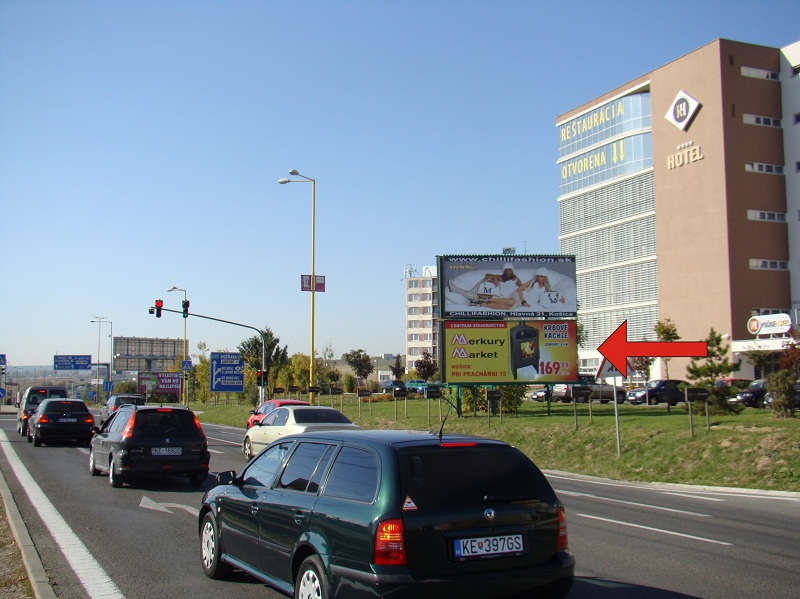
(127, 432)
(199, 428)
(562, 544)
(390, 547)
(88, 419)
(44, 418)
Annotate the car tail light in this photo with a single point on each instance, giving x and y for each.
(114, 408)
(459, 444)
(44, 418)
(199, 428)
(390, 547)
(127, 432)
(88, 419)
(562, 544)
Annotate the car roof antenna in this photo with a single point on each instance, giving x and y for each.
(441, 428)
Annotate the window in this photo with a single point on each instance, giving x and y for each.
(766, 121)
(413, 284)
(797, 119)
(413, 337)
(760, 73)
(413, 324)
(305, 467)
(413, 311)
(760, 264)
(776, 217)
(413, 297)
(760, 167)
(261, 471)
(354, 476)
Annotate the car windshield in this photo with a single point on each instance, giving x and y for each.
(316, 416)
(439, 476)
(653, 384)
(757, 385)
(161, 422)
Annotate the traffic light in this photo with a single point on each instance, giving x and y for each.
(259, 378)
(159, 305)
(185, 308)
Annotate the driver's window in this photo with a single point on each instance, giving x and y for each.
(281, 417)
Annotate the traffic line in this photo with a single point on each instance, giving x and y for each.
(634, 503)
(91, 575)
(650, 528)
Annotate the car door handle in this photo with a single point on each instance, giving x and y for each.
(254, 509)
(299, 517)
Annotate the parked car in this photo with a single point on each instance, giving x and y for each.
(291, 420)
(768, 397)
(733, 382)
(416, 386)
(389, 513)
(392, 386)
(658, 391)
(600, 390)
(752, 396)
(31, 399)
(114, 403)
(265, 408)
(60, 420)
(150, 440)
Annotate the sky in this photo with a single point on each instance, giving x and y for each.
(141, 144)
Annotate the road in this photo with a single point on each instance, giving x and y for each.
(643, 541)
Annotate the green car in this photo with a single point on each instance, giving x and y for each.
(389, 513)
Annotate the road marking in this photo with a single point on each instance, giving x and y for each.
(645, 505)
(693, 496)
(650, 528)
(225, 441)
(214, 450)
(91, 575)
(149, 504)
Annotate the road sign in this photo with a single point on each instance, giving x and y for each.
(607, 369)
(227, 372)
(581, 392)
(108, 386)
(697, 393)
(319, 283)
(494, 395)
(2, 359)
(186, 364)
(2, 393)
(432, 393)
(72, 362)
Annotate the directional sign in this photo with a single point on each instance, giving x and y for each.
(581, 392)
(2, 393)
(72, 362)
(494, 395)
(2, 359)
(227, 372)
(696, 393)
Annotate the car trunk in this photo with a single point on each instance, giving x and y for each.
(168, 437)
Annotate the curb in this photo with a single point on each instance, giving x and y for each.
(40, 583)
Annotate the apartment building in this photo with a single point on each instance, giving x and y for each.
(422, 313)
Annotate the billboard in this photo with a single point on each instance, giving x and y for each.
(507, 286)
(488, 352)
(159, 382)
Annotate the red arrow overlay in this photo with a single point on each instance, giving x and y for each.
(617, 349)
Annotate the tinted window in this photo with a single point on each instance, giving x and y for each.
(307, 463)
(164, 422)
(119, 421)
(261, 470)
(308, 416)
(354, 475)
(57, 393)
(64, 406)
(435, 476)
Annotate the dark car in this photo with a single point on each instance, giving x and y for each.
(265, 408)
(115, 402)
(753, 396)
(659, 391)
(150, 440)
(60, 420)
(394, 386)
(389, 513)
(31, 399)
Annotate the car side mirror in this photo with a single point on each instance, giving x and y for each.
(252, 411)
(226, 478)
(95, 430)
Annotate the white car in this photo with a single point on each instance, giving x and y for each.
(291, 420)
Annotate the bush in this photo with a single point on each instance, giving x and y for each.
(781, 386)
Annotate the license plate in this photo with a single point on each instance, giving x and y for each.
(167, 450)
(68, 420)
(487, 546)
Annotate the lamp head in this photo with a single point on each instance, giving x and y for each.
(294, 172)
(283, 181)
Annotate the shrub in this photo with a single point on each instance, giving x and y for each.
(781, 386)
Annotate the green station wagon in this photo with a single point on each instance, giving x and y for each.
(387, 513)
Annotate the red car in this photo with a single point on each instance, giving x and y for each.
(266, 407)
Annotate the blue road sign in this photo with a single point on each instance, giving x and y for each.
(2, 359)
(227, 372)
(186, 364)
(108, 386)
(2, 393)
(72, 362)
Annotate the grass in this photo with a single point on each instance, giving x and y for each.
(750, 450)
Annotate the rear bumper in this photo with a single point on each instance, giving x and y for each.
(51, 431)
(151, 466)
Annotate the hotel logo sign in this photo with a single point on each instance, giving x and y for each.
(682, 110)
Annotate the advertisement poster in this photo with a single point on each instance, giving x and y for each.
(507, 286)
(535, 351)
(159, 382)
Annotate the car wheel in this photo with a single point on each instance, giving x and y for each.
(210, 550)
(247, 449)
(311, 582)
(114, 478)
(92, 465)
(21, 429)
(37, 439)
(197, 478)
(620, 398)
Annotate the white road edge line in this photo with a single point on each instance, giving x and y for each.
(650, 528)
(91, 575)
(634, 503)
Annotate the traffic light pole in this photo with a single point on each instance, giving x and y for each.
(185, 313)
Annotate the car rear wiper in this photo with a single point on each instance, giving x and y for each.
(509, 498)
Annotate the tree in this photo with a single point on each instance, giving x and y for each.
(790, 360)
(760, 359)
(781, 386)
(275, 356)
(666, 331)
(642, 364)
(705, 371)
(360, 362)
(426, 366)
(397, 368)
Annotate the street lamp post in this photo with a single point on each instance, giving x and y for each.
(99, 320)
(185, 348)
(294, 173)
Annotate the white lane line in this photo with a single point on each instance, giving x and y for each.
(645, 505)
(225, 441)
(693, 496)
(94, 579)
(650, 528)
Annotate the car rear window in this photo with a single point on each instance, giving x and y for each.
(65, 406)
(312, 416)
(57, 393)
(441, 476)
(165, 421)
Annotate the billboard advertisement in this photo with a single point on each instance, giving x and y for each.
(507, 286)
(507, 351)
(159, 382)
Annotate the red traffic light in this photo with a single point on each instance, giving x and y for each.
(159, 305)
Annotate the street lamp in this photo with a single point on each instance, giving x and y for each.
(294, 173)
(185, 347)
(100, 320)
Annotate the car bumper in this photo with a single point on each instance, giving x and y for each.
(64, 432)
(147, 466)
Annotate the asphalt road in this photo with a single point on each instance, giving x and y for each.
(630, 540)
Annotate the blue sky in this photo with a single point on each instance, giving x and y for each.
(141, 144)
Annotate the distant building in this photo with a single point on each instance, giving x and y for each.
(680, 198)
(147, 354)
(422, 314)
